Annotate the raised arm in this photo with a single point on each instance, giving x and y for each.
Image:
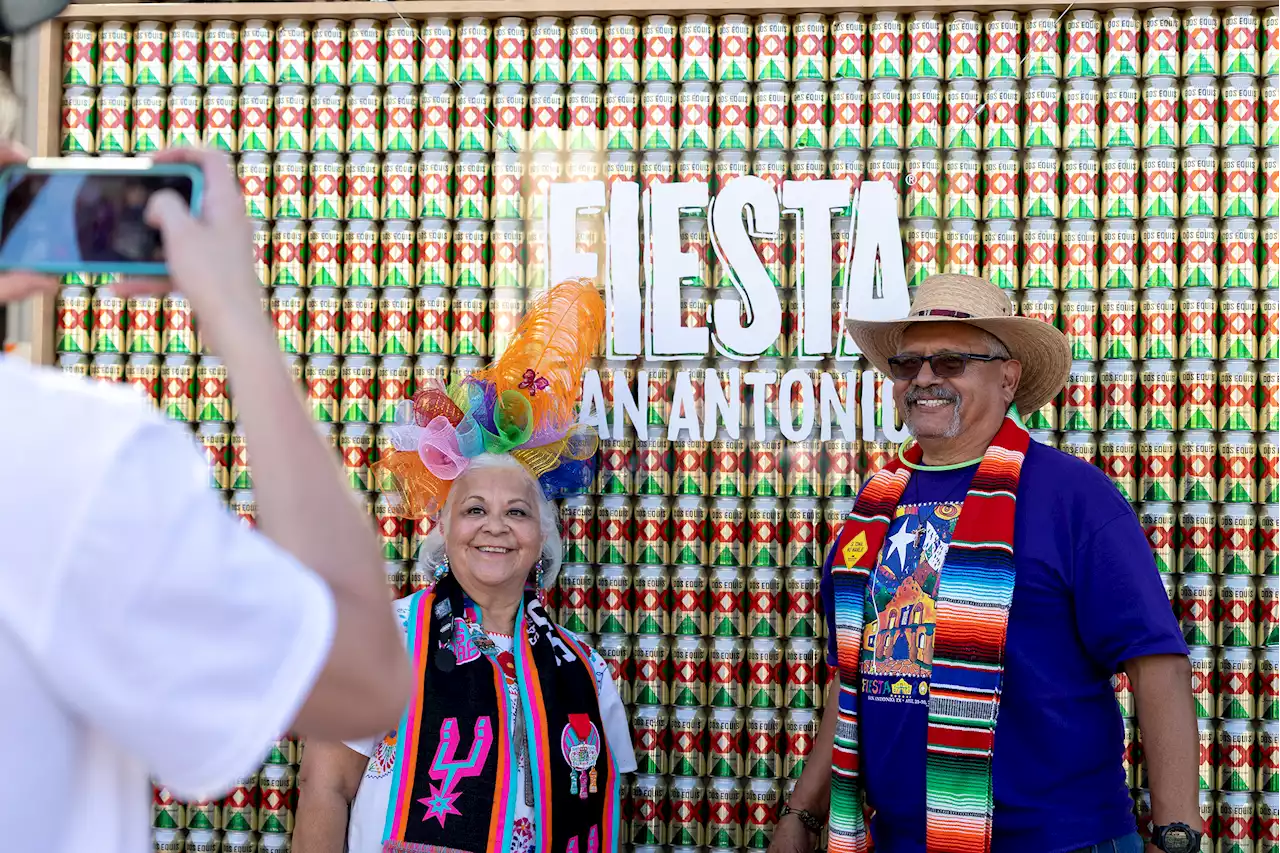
(303, 506)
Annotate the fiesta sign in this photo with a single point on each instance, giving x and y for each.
(745, 319)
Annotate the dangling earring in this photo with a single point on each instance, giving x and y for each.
(539, 575)
(442, 569)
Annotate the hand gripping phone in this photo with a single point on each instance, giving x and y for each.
(61, 216)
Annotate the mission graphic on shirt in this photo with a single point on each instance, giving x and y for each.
(897, 640)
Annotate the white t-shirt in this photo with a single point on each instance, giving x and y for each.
(369, 811)
(143, 630)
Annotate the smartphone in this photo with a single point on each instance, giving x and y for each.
(61, 216)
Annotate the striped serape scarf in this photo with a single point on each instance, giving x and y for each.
(974, 596)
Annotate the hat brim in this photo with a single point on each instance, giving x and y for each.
(1041, 349)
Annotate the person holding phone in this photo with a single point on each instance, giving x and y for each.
(144, 632)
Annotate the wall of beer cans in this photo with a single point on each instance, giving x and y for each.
(1116, 171)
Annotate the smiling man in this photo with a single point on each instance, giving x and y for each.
(979, 598)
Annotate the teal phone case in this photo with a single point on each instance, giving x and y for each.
(119, 268)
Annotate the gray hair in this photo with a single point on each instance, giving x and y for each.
(433, 548)
(996, 346)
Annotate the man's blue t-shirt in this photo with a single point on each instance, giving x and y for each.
(1086, 598)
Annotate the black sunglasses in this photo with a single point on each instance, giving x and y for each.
(945, 365)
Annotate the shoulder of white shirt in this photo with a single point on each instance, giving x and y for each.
(54, 397)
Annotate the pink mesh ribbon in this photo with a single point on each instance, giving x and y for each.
(438, 448)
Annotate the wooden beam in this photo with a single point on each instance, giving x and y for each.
(46, 137)
(86, 10)
(49, 100)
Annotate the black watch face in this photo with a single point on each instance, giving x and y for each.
(1178, 840)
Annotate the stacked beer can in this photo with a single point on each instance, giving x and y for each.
(255, 816)
(1206, 484)
(1116, 171)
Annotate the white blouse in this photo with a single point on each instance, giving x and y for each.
(369, 810)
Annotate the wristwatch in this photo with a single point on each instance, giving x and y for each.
(1176, 838)
(811, 822)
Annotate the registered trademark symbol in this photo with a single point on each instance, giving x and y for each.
(911, 180)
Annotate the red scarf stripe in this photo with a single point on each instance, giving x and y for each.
(993, 533)
(1006, 466)
(967, 740)
(844, 761)
(976, 635)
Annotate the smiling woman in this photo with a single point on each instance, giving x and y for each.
(503, 690)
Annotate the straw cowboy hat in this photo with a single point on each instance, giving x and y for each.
(1043, 350)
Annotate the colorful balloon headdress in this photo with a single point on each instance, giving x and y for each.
(525, 404)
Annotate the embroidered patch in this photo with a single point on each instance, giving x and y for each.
(580, 746)
(523, 836)
(383, 760)
(855, 549)
(464, 648)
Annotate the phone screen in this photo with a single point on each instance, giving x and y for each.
(79, 217)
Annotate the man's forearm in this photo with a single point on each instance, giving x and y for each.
(813, 789)
(303, 505)
(1166, 717)
(321, 822)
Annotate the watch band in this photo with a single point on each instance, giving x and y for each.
(811, 821)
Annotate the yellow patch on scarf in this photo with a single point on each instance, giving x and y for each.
(855, 549)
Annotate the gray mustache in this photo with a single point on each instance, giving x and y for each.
(914, 395)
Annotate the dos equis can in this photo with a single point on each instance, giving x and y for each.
(690, 600)
(1235, 689)
(616, 600)
(690, 666)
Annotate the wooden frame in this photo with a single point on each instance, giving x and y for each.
(348, 9)
(46, 143)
